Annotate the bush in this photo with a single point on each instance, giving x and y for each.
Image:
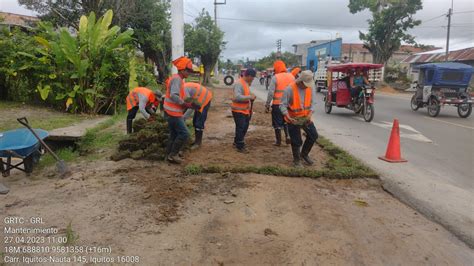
(86, 72)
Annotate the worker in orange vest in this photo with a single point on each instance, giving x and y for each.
(174, 106)
(142, 99)
(298, 105)
(296, 72)
(200, 97)
(278, 84)
(242, 102)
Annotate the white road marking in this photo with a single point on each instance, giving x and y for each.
(451, 123)
(415, 135)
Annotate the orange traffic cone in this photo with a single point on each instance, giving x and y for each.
(393, 154)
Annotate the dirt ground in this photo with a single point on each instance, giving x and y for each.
(219, 135)
(155, 211)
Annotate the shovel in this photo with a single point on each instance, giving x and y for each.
(61, 166)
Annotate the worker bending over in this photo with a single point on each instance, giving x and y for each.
(200, 98)
(174, 106)
(242, 102)
(297, 106)
(279, 82)
(142, 99)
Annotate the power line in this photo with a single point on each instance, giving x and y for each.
(306, 24)
(462, 12)
(431, 19)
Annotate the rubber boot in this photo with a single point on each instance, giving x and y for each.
(198, 139)
(296, 156)
(173, 157)
(277, 137)
(287, 135)
(129, 126)
(305, 153)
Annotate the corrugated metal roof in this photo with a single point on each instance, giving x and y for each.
(466, 54)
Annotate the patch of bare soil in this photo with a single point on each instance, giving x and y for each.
(217, 148)
(131, 207)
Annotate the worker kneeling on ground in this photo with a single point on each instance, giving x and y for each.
(200, 98)
(278, 84)
(142, 99)
(297, 106)
(174, 106)
(242, 108)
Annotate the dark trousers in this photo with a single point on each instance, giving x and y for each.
(242, 123)
(199, 119)
(179, 134)
(295, 135)
(278, 122)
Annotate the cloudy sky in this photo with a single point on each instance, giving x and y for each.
(252, 26)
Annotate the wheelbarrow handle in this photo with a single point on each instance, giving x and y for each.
(24, 121)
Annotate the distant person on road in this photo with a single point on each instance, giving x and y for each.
(242, 101)
(356, 82)
(142, 99)
(298, 105)
(279, 82)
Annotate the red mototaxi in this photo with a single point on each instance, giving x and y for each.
(342, 93)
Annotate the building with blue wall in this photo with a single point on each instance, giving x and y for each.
(323, 51)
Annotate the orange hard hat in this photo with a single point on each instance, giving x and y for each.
(279, 66)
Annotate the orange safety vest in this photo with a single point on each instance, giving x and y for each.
(282, 81)
(172, 108)
(202, 94)
(132, 98)
(242, 107)
(294, 107)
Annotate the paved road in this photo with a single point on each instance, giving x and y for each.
(437, 180)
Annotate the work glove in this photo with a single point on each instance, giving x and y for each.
(188, 105)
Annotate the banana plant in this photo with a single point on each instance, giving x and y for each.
(86, 66)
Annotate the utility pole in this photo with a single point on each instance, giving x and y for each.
(278, 48)
(177, 31)
(216, 67)
(450, 13)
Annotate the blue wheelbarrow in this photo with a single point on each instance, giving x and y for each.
(20, 143)
(25, 144)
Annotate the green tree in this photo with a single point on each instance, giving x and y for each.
(152, 32)
(204, 40)
(389, 24)
(290, 59)
(66, 13)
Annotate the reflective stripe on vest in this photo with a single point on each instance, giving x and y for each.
(282, 81)
(242, 107)
(202, 94)
(172, 108)
(294, 107)
(133, 99)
